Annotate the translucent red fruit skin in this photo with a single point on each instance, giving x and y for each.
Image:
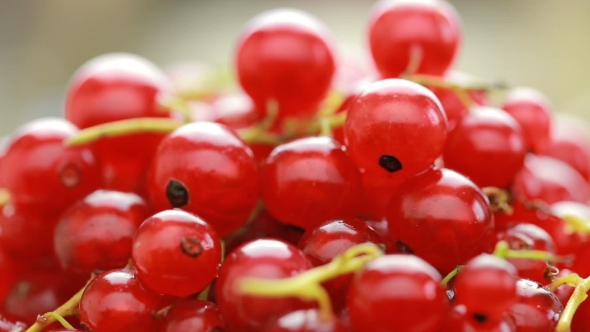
(487, 146)
(549, 180)
(41, 166)
(113, 87)
(264, 258)
(532, 111)
(442, 217)
(429, 31)
(310, 180)
(395, 118)
(402, 284)
(214, 168)
(486, 287)
(27, 234)
(305, 321)
(96, 233)
(176, 253)
(192, 315)
(457, 319)
(285, 55)
(536, 309)
(116, 301)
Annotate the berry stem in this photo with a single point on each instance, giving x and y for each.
(582, 286)
(502, 250)
(124, 127)
(4, 197)
(177, 104)
(451, 275)
(307, 285)
(577, 224)
(67, 309)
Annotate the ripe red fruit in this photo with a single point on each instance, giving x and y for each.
(310, 180)
(113, 87)
(176, 253)
(205, 155)
(457, 319)
(305, 321)
(38, 165)
(262, 258)
(549, 180)
(285, 55)
(97, 232)
(427, 32)
(487, 288)
(532, 111)
(442, 217)
(470, 152)
(115, 301)
(536, 309)
(192, 315)
(397, 293)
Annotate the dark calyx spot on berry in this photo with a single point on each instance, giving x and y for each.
(216, 329)
(177, 194)
(390, 163)
(191, 247)
(403, 248)
(70, 175)
(480, 318)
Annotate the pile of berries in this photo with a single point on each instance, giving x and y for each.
(315, 195)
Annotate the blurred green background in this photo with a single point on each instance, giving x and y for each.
(539, 43)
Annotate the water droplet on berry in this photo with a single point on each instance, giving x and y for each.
(390, 163)
(70, 175)
(177, 194)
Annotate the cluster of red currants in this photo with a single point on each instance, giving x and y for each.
(319, 197)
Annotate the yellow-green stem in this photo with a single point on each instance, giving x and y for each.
(582, 286)
(124, 127)
(4, 197)
(577, 224)
(451, 275)
(67, 309)
(502, 250)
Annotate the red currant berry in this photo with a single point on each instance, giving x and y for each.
(532, 111)
(305, 321)
(192, 315)
(442, 217)
(536, 309)
(205, 155)
(425, 32)
(176, 253)
(310, 180)
(263, 258)
(285, 55)
(116, 301)
(97, 232)
(394, 129)
(401, 284)
(487, 288)
(38, 165)
(549, 180)
(113, 87)
(468, 150)
(457, 319)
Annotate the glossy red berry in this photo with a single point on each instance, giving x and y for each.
(310, 180)
(457, 319)
(549, 180)
(192, 315)
(442, 217)
(96, 233)
(425, 32)
(305, 321)
(285, 55)
(205, 169)
(525, 236)
(532, 111)
(487, 289)
(402, 284)
(394, 129)
(113, 87)
(116, 301)
(536, 309)
(470, 152)
(38, 165)
(176, 253)
(264, 258)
